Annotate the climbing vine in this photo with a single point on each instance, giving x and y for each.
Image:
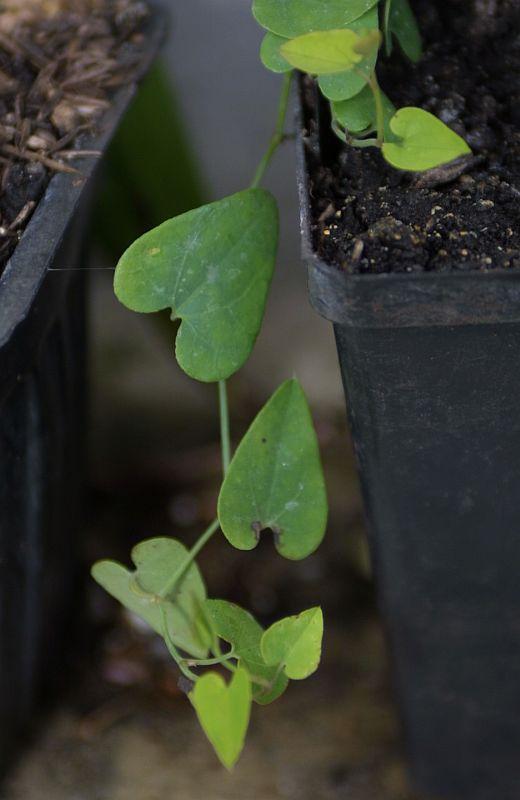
(212, 267)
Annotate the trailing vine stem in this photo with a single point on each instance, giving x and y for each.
(380, 113)
(209, 662)
(190, 558)
(225, 439)
(278, 135)
(186, 671)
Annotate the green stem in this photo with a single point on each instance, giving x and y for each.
(224, 426)
(386, 23)
(278, 135)
(380, 112)
(210, 662)
(173, 650)
(190, 558)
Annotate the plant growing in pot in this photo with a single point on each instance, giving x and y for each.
(68, 72)
(409, 221)
(417, 272)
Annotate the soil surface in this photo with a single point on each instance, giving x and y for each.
(368, 217)
(60, 62)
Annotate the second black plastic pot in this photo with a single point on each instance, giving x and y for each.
(431, 370)
(42, 423)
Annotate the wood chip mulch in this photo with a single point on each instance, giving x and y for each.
(60, 62)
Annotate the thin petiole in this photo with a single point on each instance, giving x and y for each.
(209, 662)
(186, 671)
(278, 135)
(225, 438)
(380, 113)
(190, 558)
(386, 27)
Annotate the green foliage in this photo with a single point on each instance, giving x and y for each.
(223, 711)
(270, 53)
(294, 644)
(275, 480)
(339, 43)
(242, 631)
(345, 85)
(402, 24)
(358, 115)
(212, 267)
(292, 18)
(145, 591)
(423, 141)
(328, 52)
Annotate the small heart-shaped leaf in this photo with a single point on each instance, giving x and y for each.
(223, 711)
(402, 23)
(328, 52)
(242, 631)
(295, 643)
(212, 267)
(140, 591)
(344, 85)
(276, 481)
(423, 141)
(270, 54)
(292, 18)
(358, 115)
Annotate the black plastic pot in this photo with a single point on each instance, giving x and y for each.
(431, 370)
(42, 422)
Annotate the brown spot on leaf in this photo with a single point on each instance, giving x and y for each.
(256, 527)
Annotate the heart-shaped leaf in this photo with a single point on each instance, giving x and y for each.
(270, 54)
(140, 591)
(328, 52)
(223, 711)
(276, 481)
(402, 23)
(212, 267)
(343, 85)
(358, 115)
(295, 643)
(242, 631)
(423, 141)
(291, 18)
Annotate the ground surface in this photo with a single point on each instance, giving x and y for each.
(333, 737)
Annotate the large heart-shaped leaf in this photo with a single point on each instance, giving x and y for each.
(212, 267)
(223, 711)
(140, 591)
(358, 115)
(344, 85)
(270, 54)
(402, 23)
(423, 141)
(329, 52)
(291, 18)
(242, 631)
(294, 643)
(276, 481)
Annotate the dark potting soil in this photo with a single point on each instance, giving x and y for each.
(368, 217)
(60, 62)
